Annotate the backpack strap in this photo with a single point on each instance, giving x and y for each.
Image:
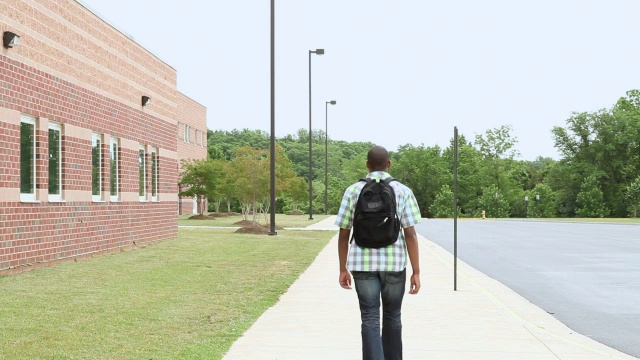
(366, 181)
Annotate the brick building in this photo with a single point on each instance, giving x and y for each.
(192, 141)
(86, 165)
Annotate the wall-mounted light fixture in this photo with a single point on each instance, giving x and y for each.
(10, 39)
(145, 100)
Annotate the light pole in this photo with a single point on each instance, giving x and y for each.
(326, 156)
(317, 52)
(272, 164)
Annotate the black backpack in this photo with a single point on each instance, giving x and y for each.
(375, 222)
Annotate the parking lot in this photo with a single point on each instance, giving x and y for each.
(587, 275)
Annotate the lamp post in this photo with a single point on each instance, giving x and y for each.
(272, 164)
(317, 52)
(326, 156)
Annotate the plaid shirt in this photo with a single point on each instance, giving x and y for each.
(392, 257)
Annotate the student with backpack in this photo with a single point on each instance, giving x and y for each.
(382, 213)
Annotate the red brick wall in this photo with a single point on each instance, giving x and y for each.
(74, 69)
(9, 155)
(64, 38)
(37, 233)
(193, 114)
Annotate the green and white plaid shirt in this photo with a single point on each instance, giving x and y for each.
(392, 257)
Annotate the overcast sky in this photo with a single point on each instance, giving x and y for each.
(402, 72)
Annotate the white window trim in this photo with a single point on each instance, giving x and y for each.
(143, 197)
(154, 174)
(203, 140)
(115, 141)
(186, 133)
(57, 197)
(30, 197)
(96, 136)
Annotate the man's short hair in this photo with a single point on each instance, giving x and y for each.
(378, 158)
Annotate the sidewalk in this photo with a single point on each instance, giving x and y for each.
(483, 319)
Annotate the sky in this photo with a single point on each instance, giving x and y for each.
(403, 72)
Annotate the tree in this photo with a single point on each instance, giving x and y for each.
(469, 176)
(199, 178)
(442, 206)
(251, 179)
(590, 204)
(541, 202)
(298, 192)
(498, 165)
(424, 170)
(606, 143)
(494, 203)
(633, 197)
(225, 188)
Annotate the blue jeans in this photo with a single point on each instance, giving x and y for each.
(371, 287)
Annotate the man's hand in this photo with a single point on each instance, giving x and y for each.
(415, 284)
(345, 279)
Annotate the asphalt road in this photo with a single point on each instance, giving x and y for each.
(587, 275)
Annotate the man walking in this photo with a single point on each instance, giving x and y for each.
(379, 272)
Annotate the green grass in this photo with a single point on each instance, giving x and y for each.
(287, 221)
(189, 298)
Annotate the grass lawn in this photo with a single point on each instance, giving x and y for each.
(287, 221)
(188, 298)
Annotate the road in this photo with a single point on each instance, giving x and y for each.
(587, 275)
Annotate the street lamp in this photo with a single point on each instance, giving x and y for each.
(317, 52)
(272, 142)
(326, 156)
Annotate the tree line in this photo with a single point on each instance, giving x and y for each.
(598, 174)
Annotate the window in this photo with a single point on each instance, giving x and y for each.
(27, 158)
(96, 167)
(154, 174)
(55, 162)
(142, 174)
(204, 140)
(186, 133)
(114, 169)
(196, 136)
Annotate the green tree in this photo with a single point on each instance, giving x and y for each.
(251, 179)
(589, 201)
(199, 178)
(606, 143)
(541, 202)
(498, 165)
(424, 170)
(469, 176)
(633, 197)
(494, 203)
(442, 206)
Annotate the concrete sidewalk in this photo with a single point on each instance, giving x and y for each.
(483, 319)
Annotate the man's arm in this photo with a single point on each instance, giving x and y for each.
(343, 250)
(411, 239)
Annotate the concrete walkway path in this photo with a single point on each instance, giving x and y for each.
(483, 319)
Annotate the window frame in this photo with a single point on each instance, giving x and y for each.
(142, 172)
(100, 139)
(56, 127)
(32, 195)
(203, 140)
(154, 173)
(186, 133)
(114, 179)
